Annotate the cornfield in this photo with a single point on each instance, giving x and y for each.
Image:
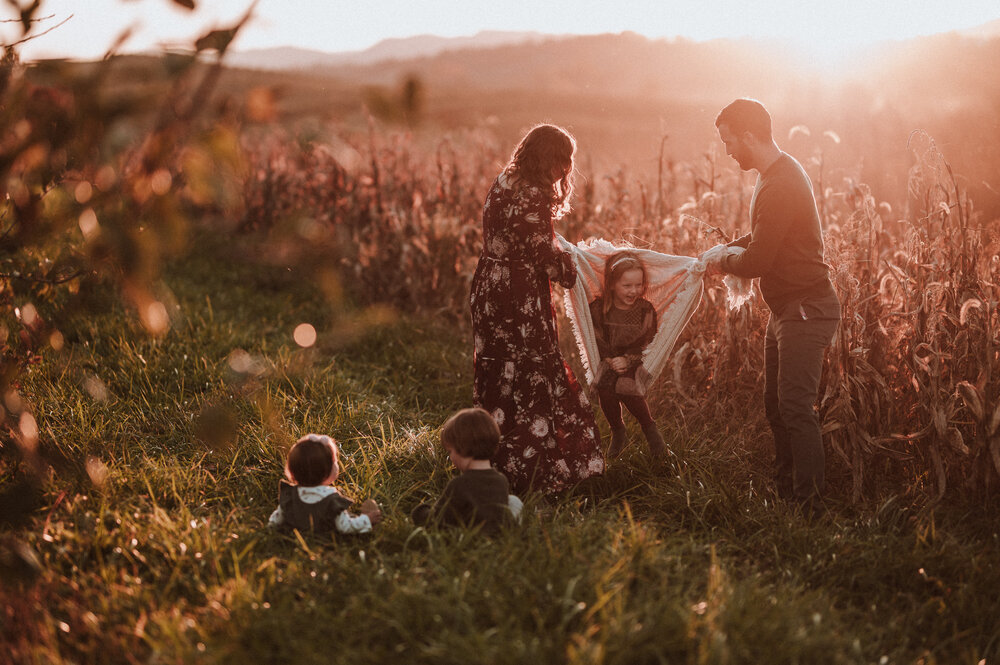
(911, 389)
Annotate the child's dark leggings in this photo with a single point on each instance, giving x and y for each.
(611, 405)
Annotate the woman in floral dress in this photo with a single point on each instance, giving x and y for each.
(550, 439)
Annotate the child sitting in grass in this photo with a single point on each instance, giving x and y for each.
(310, 502)
(480, 495)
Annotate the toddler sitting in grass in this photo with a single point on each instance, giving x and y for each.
(480, 495)
(310, 502)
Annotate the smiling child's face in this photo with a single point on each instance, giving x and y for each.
(628, 288)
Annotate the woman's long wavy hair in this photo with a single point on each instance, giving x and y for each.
(617, 265)
(544, 150)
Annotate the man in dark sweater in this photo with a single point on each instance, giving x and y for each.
(785, 250)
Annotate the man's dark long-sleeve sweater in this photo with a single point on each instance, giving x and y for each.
(785, 244)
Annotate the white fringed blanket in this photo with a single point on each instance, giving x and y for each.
(675, 289)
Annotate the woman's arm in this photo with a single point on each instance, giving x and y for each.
(533, 226)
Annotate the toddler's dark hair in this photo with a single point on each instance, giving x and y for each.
(471, 433)
(310, 461)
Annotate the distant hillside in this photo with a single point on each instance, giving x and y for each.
(407, 48)
(285, 58)
(629, 65)
(925, 79)
(615, 65)
(984, 31)
(624, 96)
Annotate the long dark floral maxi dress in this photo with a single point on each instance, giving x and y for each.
(549, 440)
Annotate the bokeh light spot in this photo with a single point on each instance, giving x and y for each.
(240, 361)
(261, 105)
(84, 190)
(88, 222)
(106, 178)
(304, 335)
(161, 181)
(13, 401)
(95, 388)
(97, 470)
(29, 430)
(155, 318)
(29, 315)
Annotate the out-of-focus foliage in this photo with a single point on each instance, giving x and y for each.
(405, 106)
(100, 183)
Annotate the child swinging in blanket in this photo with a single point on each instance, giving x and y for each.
(624, 325)
(608, 328)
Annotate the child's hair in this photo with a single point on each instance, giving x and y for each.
(310, 461)
(544, 149)
(617, 265)
(471, 433)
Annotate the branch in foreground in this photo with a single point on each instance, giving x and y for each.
(30, 37)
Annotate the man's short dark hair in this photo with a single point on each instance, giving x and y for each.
(746, 115)
(471, 433)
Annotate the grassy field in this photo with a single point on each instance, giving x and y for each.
(165, 456)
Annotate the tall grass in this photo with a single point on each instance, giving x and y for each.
(152, 546)
(135, 532)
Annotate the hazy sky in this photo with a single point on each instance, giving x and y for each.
(830, 28)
